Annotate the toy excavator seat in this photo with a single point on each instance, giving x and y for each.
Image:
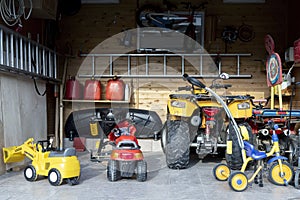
(252, 152)
(12, 154)
(68, 152)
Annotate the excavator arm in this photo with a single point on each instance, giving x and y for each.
(18, 153)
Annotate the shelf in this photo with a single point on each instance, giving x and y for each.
(92, 101)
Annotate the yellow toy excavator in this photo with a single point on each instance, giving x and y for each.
(56, 165)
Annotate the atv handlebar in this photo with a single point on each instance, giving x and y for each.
(193, 81)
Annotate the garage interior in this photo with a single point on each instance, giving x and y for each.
(70, 39)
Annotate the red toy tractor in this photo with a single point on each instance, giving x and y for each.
(126, 158)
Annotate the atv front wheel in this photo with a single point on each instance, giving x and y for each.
(178, 145)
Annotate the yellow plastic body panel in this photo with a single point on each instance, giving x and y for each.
(67, 166)
(190, 107)
(242, 113)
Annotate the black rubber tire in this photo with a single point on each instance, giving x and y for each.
(293, 148)
(30, 173)
(113, 174)
(54, 177)
(141, 174)
(74, 180)
(235, 160)
(164, 136)
(178, 145)
(297, 174)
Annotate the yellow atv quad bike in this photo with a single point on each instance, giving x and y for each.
(56, 165)
(199, 120)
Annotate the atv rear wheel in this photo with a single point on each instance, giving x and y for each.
(113, 174)
(141, 174)
(177, 149)
(235, 160)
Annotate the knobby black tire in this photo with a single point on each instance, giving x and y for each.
(235, 160)
(113, 174)
(141, 174)
(178, 145)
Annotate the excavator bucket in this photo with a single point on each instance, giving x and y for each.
(12, 154)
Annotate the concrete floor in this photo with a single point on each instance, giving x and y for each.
(196, 182)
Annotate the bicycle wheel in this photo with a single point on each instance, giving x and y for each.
(238, 181)
(221, 172)
(142, 12)
(275, 176)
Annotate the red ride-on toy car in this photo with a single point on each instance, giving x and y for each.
(126, 160)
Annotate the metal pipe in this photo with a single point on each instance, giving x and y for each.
(21, 54)
(1, 48)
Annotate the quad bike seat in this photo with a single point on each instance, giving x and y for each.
(252, 152)
(66, 153)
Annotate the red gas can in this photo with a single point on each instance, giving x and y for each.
(92, 90)
(115, 89)
(73, 89)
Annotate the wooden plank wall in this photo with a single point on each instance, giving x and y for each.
(98, 29)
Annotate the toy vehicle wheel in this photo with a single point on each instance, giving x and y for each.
(141, 174)
(178, 145)
(74, 180)
(221, 172)
(30, 173)
(275, 176)
(54, 177)
(113, 174)
(238, 181)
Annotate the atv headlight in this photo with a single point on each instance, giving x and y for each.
(243, 106)
(178, 104)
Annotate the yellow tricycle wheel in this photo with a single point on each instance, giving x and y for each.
(281, 179)
(238, 181)
(221, 172)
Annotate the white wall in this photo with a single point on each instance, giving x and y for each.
(22, 112)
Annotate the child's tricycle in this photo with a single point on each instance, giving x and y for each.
(280, 172)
